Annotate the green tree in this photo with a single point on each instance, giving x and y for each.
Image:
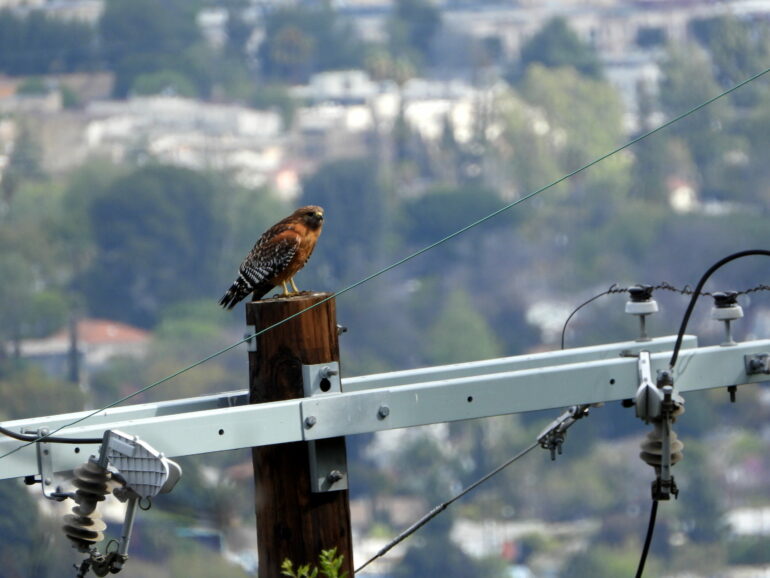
(444, 210)
(28, 392)
(16, 296)
(703, 514)
(24, 164)
(19, 531)
(460, 333)
(146, 36)
(157, 239)
(164, 82)
(36, 43)
(601, 561)
(687, 82)
(556, 45)
(737, 49)
(564, 121)
(356, 216)
(239, 31)
(755, 173)
(412, 29)
(651, 157)
(525, 150)
(301, 41)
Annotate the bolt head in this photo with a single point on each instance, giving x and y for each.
(310, 421)
(327, 372)
(334, 476)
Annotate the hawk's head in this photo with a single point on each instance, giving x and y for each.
(312, 216)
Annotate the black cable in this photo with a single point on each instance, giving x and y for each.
(663, 286)
(675, 355)
(48, 439)
(613, 289)
(443, 506)
(648, 538)
(697, 291)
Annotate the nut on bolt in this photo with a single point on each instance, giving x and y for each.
(383, 412)
(310, 421)
(334, 476)
(326, 372)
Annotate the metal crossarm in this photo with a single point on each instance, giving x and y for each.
(401, 399)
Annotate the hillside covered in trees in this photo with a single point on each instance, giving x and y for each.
(154, 245)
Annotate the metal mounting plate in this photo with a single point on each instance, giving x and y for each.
(328, 457)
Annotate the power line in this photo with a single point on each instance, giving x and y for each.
(443, 506)
(424, 249)
(697, 292)
(615, 289)
(612, 289)
(648, 538)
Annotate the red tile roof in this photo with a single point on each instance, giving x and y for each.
(97, 331)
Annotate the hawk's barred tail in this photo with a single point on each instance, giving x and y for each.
(240, 289)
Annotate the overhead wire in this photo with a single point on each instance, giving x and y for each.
(647, 538)
(35, 438)
(612, 289)
(424, 249)
(615, 289)
(697, 292)
(443, 506)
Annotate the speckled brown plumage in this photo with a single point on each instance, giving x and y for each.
(277, 256)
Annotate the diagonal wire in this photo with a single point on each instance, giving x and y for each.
(428, 247)
(443, 506)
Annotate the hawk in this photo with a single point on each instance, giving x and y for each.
(276, 257)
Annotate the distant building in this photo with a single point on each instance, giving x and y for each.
(185, 132)
(96, 341)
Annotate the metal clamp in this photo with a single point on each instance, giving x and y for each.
(658, 403)
(45, 475)
(321, 378)
(553, 436)
(328, 457)
(757, 364)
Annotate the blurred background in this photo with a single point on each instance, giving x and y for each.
(145, 145)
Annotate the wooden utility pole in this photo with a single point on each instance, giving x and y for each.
(292, 521)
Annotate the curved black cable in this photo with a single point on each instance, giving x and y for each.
(648, 538)
(697, 291)
(613, 289)
(49, 439)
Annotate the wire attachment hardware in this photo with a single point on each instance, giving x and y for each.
(85, 527)
(133, 471)
(327, 457)
(641, 304)
(726, 309)
(45, 475)
(658, 403)
(552, 437)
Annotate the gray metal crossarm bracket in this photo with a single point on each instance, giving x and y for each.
(321, 378)
(648, 396)
(515, 363)
(430, 395)
(45, 468)
(328, 458)
(111, 416)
